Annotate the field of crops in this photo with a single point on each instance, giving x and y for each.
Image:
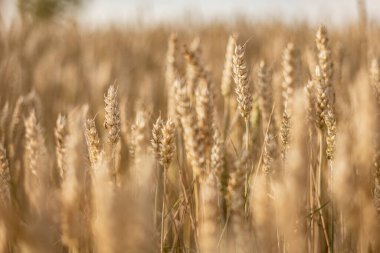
(213, 138)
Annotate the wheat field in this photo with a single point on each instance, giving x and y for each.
(214, 138)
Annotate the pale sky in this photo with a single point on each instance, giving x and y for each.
(100, 12)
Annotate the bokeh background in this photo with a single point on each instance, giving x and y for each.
(60, 57)
(100, 12)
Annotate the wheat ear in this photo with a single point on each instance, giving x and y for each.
(60, 133)
(93, 141)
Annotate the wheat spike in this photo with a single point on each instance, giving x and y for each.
(167, 145)
(171, 64)
(218, 164)
(288, 193)
(112, 125)
(190, 129)
(375, 83)
(34, 137)
(375, 72)
(243, 92)
(375, 78)
(321, 98)
(285, 133)
(157, 137)
(60, 133)
(112, 115)
(227, 75)
(204, 110)
(376, 168)
(264, 89)
(194, 71)
(93, 141)
(269, 154)
(5, 177)
(330, 122)
(15, 126)
(290, 74)
(16, 117)
(325, 63)
(139, 136)
(376, 192)
(4, 115)
(217, 154)
(35, 161)
(171, 72)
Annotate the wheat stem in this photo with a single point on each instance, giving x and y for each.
(163, 212)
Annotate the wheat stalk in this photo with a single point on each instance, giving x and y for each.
(209, 214)
(236, 204)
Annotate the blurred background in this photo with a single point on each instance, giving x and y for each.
(100, 12)
(57, 56)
